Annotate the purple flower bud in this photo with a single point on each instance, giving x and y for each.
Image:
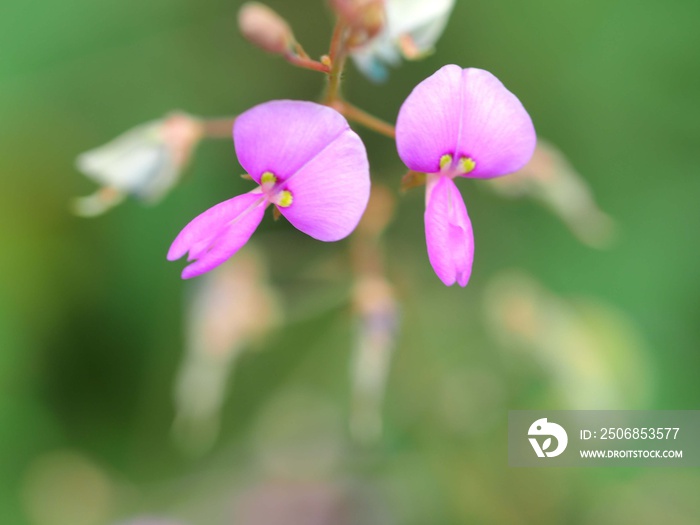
(264, 28)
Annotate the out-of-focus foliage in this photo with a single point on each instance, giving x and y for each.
(92, 317)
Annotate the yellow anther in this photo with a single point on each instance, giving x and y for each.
(268, 178)
(285, 199)
(466, 165)
(445, 161)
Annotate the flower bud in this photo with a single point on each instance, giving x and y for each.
(365, 17)
(264, 28)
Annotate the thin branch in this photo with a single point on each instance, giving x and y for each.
(362, 117)
(336, 39)
(217, 128)
(307, 63)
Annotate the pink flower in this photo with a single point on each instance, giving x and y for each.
(307, 162)
(460, 122)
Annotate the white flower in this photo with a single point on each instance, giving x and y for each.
(145, 162)
(412, 29)
(230, 309)
(377, 324)
(550, 178)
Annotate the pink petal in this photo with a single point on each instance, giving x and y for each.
(496, 131)
(465, 113)
(428, 122)
(282, 135)
(215, 235)
(448, 232)
(330, 193)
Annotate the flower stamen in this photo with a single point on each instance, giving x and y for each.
(445, 161)
(462, 167)
(284, 199)
(466, 165)
(268, 179)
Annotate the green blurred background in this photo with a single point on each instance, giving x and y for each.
(91, 314)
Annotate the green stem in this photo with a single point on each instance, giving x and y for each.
(338, 56)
